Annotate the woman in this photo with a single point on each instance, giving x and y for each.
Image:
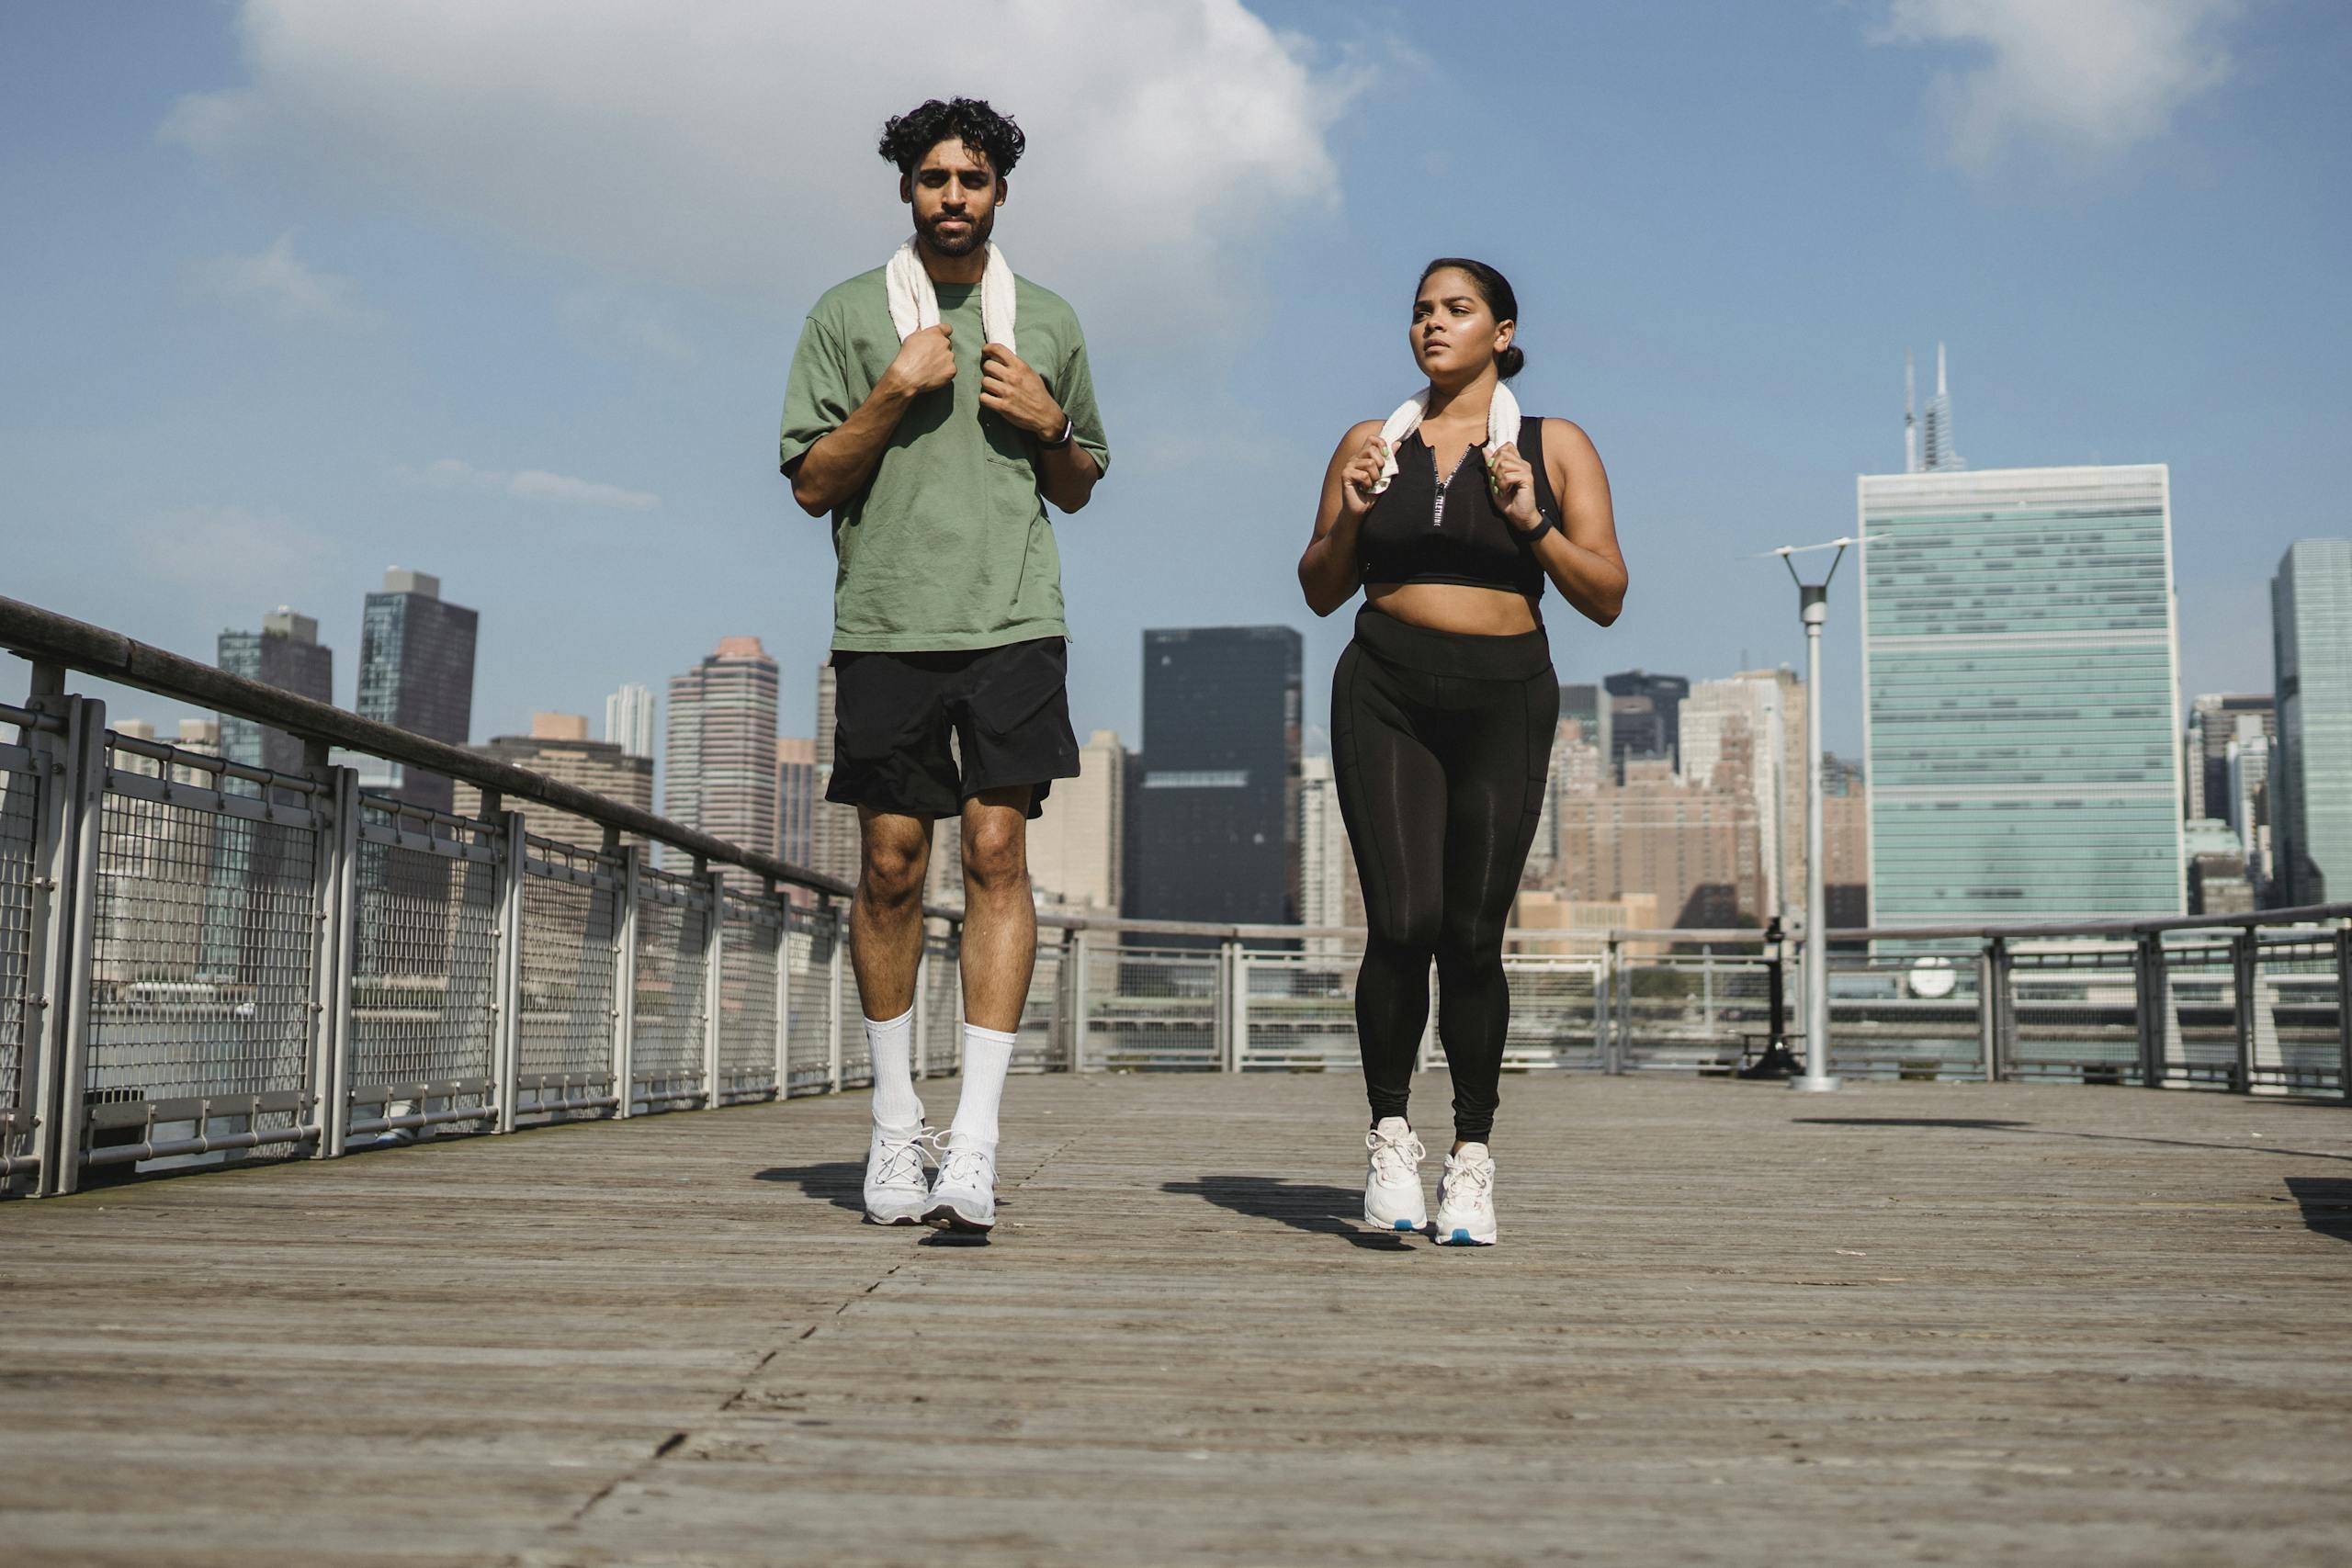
(1450, 515)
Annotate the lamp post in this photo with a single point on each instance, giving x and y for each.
(1813, 609)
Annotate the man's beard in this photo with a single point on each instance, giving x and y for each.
(975, 234)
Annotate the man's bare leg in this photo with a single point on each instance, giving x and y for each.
(1000, 916)
(886, 947)
(1000, 948)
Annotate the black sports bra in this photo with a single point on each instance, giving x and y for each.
(1419, 531)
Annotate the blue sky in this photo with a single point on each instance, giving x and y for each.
(293, 291)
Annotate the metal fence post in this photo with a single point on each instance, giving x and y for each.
(2246, 980)
(2149, 965)
(1988, 1019)
(507, 1040)
(714, 942)
(73, 802)
(783, 990)
(2004, 1011)
(1237, 1033)
(1221, 1019)
(625, 983)
(1621, 1036)
(833, 1003)
(2344, 1010)
(1604, 1004)
(1077, 958)
(339, 958)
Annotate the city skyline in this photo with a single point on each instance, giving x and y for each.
(1739, 739)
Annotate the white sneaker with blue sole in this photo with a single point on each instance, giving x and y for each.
(1392, 1183)
(1465, 1199)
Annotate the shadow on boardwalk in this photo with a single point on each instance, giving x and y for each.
(2327, 1203)
(840, 1182)
(1327, 1211)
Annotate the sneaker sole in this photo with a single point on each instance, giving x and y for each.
(1403, 1227)
(874, 1219)
(1461, 1237)
(946, 1216)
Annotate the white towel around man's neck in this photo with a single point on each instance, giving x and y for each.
(914, 302)
(1502, 427)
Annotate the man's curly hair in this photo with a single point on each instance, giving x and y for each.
(909, 136)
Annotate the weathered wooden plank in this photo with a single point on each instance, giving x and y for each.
(1905, 1323)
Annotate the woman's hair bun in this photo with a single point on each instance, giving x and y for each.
(1511, 361)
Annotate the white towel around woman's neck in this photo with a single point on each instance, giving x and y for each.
(1502, 427)
(914, 303)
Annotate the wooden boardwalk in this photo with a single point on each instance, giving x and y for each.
(1728, 1324)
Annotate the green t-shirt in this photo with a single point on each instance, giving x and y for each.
(948, 545)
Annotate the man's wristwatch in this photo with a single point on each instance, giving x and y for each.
(1069, 428)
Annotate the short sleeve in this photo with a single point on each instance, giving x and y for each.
(1076, 394)
(816, 395)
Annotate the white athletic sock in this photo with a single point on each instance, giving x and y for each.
(892, 1045)
(987, 1056)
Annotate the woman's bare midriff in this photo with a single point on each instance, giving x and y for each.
(1457, 607)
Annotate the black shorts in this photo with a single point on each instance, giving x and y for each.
(1007, 709)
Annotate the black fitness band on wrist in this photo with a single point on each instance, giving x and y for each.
(1543, 525)
(1070, 429)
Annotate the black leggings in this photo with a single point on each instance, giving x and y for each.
(1440, 744)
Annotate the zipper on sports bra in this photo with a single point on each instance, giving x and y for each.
(1437, 512)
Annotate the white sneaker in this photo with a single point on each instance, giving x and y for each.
(1465, 1199)
(1392, 1185)
(964, 1198)
(897, 1190)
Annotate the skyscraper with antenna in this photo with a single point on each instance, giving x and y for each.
(1927, 445)
(2021, 666)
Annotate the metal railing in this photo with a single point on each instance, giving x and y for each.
(201, 960)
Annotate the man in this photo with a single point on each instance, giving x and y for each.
(935, 405)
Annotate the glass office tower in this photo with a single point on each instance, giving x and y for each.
(2021, 674)
(284, 653)
(1215, 816)
(416, 671)
(2310, 774)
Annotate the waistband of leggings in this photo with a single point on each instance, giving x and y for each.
(1461, 655)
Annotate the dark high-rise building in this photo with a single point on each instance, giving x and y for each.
(285, 654)
(1646, 717)
(1216, 801)
(795, 766)
(416, 671)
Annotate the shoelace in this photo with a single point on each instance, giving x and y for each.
(964, 1168)
(1393, 1159)
(902, 1160)
(1478, 1179)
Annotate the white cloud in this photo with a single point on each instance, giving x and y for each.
(528, 484)
(2086, 78)
(215, 551)
(278, 280)
(730, 144)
